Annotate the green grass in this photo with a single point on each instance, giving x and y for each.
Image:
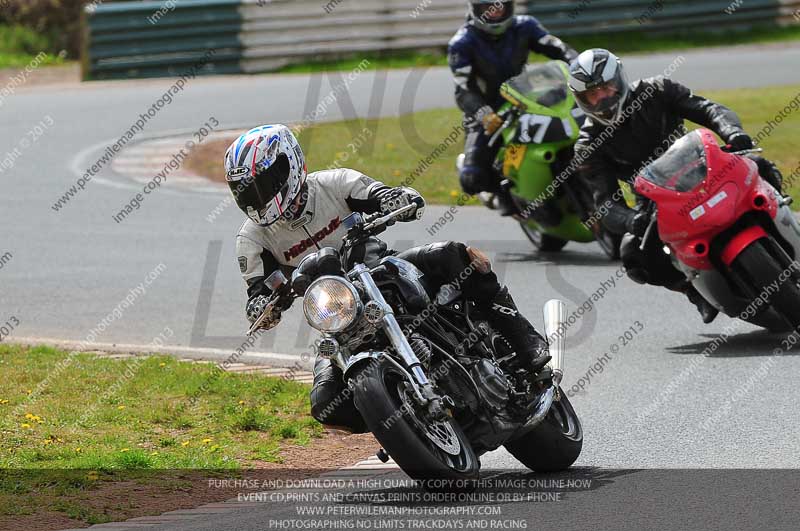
(394, 157)
(49, 443)
(620, 43)
(149, 422)
(19, 47)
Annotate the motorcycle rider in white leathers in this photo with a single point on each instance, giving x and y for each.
(291, 212)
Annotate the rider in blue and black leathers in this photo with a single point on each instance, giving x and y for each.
(492, 47)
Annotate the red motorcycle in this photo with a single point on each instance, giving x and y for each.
(727, 229)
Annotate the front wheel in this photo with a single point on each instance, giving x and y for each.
(763, 271)
(543, 242)
(554, 444)
(425, 450)
(609, 243)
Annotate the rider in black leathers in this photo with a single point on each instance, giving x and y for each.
(492, 47)
(643, 120)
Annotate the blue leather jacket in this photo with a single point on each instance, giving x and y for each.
(481, 62)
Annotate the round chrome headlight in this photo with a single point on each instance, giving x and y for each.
(331, 304)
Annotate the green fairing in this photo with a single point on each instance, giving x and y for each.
(535, 173)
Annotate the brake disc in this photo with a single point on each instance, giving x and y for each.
(439, 433)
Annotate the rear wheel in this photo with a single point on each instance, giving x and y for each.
(425, 450)
(554, 444)
(543, 242)
(758, 265)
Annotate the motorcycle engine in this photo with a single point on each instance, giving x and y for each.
(492, 384)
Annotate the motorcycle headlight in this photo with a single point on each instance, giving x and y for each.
(331, 304)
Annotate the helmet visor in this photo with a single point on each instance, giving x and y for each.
(604, 101)
(263, 195)
(493, 13)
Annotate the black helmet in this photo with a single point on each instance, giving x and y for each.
(491, 16)
(598, 80)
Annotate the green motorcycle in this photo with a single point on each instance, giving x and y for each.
(541, 123)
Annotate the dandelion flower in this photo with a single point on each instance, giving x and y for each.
(185, 443)
(241, 402)
(78, 450)
(125, 450)
(120, 407)
(206, 441)
(162, 364)
(26, 425)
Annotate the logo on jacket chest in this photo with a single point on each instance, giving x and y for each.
(299, 248)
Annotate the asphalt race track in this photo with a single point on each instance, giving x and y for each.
(657, 403)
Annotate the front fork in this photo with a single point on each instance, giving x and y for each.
(421, 386)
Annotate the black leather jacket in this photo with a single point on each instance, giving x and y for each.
(609, 154)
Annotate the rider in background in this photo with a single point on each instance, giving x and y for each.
(290, 213)
(646, 117)
(492, 47)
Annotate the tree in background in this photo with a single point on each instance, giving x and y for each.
(56, 21)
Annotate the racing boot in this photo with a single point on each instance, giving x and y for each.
(504, 204)
(529, 345)
(707, 311)
(332, 401)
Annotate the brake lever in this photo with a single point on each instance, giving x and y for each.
(383, 220)
(258, 322)
(271, 305)
(742, 152)
(506, 125)
(649, 230)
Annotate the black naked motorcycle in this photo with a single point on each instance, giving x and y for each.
(430, 377)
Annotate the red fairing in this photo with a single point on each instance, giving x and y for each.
(689, 221)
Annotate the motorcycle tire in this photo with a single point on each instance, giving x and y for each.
(450, 465)
(609, 243)
(543, 242)
(553, 445)
(757, 265)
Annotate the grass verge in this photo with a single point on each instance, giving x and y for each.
(619, 43)
(140, 429)
(393, 153)
(20, 46)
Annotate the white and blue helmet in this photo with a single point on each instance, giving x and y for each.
(265, 169)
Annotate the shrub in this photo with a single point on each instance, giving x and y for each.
(57, 21)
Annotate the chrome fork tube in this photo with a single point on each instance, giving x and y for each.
(391, 326)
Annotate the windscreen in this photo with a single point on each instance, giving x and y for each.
(545, 84)
(682, 167)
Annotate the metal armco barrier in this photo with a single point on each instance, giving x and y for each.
(167, 38)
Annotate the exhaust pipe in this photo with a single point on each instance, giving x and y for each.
(555, 315)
